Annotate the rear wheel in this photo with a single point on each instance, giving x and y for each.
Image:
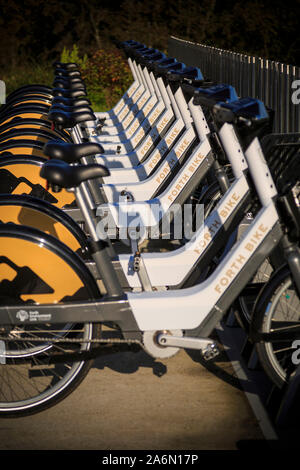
(244, 304)
(277, 307)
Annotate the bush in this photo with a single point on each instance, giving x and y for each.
(73, 56)
(107, 76)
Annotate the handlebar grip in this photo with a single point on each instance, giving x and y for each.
(188, 89)
(164, 70)
(222, 114)
(190, 86)
(204, 100)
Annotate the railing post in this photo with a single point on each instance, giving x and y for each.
(267, 80)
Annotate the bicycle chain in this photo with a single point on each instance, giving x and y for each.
(59, 356)
(71, 340)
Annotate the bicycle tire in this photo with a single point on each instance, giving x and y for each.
(30, 382)
(277, 305)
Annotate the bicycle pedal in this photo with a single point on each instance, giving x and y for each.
(100, 121)
(210, 352)
(96, 132)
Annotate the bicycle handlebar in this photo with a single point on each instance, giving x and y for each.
(243, 111)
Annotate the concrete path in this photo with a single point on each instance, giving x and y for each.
(130, 401)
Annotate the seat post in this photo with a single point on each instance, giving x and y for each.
(100, 250)
(94, 185)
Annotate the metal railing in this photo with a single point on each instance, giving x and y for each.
(274, 83)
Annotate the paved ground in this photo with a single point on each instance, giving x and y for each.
(129, 401)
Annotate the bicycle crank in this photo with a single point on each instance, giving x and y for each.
(208, 348)
(165, 344)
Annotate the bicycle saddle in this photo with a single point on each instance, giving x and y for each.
(70, 101)
(67, 73)
(68, 79)
(71, 109)
(61, 174)
(67, 120)
(68, 85)
(68, 93)
(65, 65)
(70, 153)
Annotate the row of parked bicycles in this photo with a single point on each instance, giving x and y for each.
(88, 200)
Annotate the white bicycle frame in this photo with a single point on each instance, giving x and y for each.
(163, 129)
(149, 114)
(140, 172)
(195, 310)
(121, 131)
(171, 268)
(141, 125)
(143, 191)
(201, 306)
(143, 171)
(186, 140)
(148, 104)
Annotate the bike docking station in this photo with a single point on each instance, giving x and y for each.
(276, 410)
(82, 194)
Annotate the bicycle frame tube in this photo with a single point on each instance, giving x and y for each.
(173, 267)
(196, 309)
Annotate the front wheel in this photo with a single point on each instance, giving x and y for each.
(278, 306)
(31, 380)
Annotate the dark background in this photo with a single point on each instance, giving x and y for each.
(36, 31)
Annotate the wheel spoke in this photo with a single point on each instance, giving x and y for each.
(282, 312)
(27, 379)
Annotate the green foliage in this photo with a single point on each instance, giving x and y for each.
(107, 76)
(27, 74)
(98, 101)
(73, 56)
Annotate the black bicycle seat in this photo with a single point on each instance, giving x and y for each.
(69, 85)
(70, 153)
(65, 65)
(68, 93)
(67, 73)
(67, 120)
(70, 101)
(60, 174)
(71, 109)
